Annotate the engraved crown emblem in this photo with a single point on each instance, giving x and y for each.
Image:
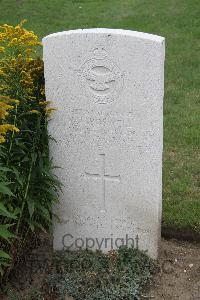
(100, 53)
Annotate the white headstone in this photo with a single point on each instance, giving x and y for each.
(107, 86)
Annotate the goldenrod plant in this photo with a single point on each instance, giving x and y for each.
(27, 184)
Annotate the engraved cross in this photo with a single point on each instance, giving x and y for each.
(103, 177)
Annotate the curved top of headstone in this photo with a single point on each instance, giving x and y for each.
(135, 34)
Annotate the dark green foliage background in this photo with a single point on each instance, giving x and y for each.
(28, 187)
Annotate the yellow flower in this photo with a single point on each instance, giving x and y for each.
(7, 127)
(32, 98)
(3, 110)
(4, 129)
(2, 36)
(21, 71)
(34, 111)
(7, 99)
(45, 103)
(29, 51)
(22, 22)
(49, 111)
(15, 129)
(15, 101)
(2, 139)
(42, 91)
(7, 29)
(13, 42)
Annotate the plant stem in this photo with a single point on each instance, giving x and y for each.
(25, 196)
(12, 136)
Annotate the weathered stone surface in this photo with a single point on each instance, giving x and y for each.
(107, 86)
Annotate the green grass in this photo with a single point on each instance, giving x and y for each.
(179, 22)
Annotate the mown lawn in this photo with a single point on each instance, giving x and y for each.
(179, 22)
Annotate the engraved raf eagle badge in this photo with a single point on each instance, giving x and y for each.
(101, 77)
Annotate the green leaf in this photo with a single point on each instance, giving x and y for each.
(33, 157)
(1, 270)
(17, 211)
(5, 169)
(4, 263)
(32, 226)
(17, 174)
(31, 206)
(5, 190)
(4, 255)
(38, 225)
(4, 212)
(5, 233)
(45, 214)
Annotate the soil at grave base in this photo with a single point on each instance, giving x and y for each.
(178, 277)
